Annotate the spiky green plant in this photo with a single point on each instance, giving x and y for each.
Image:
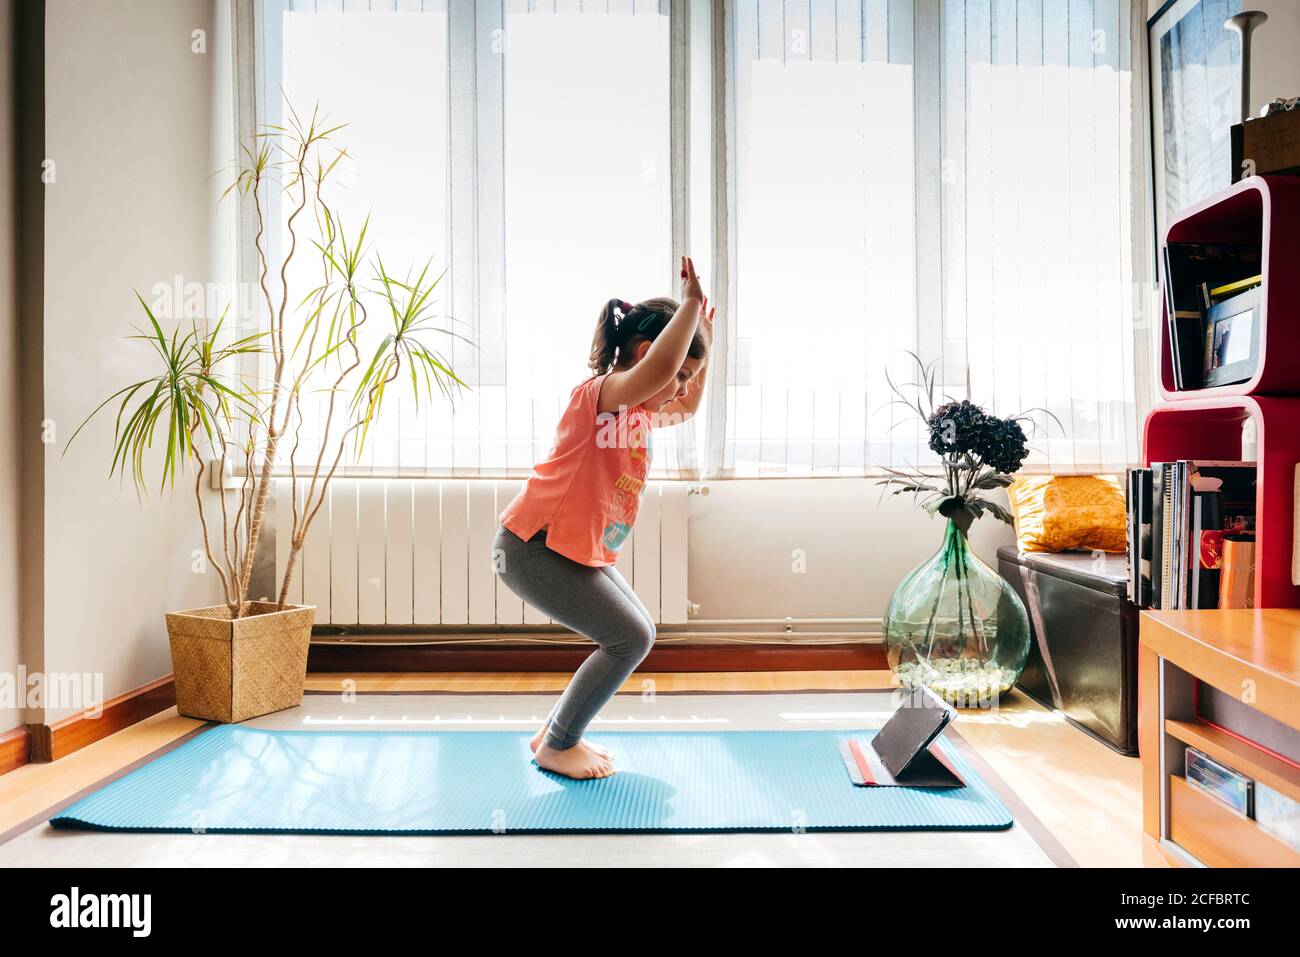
(187, 395)
(200, 394)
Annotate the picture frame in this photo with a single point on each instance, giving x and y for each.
(1232, 339)
(1194, 68)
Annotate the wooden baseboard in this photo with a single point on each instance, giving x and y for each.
(49, 742)
(15, 749)
(375, 656)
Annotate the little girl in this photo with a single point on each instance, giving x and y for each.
(560, 536)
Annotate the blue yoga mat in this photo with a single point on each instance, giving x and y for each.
(239, 779)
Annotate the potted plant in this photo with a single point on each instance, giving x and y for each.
(208, 412)
(953, 624)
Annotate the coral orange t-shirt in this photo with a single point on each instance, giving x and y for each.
(587, 490)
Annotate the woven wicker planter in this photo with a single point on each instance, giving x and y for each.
(231, 671)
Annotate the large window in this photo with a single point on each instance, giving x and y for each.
(386, 77)
(585, 200)
(525, 147)
(822, 234)
(945, 177)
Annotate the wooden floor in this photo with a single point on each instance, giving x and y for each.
(1088, 796)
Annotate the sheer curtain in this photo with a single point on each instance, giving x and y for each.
(525, 145)
(952, 179)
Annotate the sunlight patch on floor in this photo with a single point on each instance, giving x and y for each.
(834, 717)
(1010, 718)
(501, 721)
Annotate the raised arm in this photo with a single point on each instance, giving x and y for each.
(679, 410)
(629, 387)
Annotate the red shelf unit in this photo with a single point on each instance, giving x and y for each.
(1210, 428)
(1206, 423)
(1263, 210)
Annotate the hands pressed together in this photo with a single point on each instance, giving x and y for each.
(691, 289)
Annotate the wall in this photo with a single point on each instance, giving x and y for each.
(1275, 69)
(10, 478)
(856, 547)
(129, 128)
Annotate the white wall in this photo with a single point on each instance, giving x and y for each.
(129, 127)
(856, 547)
(1275, 52)
(9, 390)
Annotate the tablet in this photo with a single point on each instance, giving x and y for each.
(920, 718)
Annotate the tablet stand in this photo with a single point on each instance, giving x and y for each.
(929, 768)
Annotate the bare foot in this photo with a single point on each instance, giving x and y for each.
(576, 762)
(536, 743)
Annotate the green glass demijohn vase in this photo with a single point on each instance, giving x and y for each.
(955, 626)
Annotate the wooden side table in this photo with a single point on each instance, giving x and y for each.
(1252, 654)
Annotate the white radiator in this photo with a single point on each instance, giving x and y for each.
(418, 552)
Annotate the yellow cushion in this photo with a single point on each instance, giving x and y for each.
(1054, 513)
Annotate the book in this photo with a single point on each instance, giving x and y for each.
(1139, 536)
(1195, 507)
(1157, 532)
(1278, 814)
(1185, 317)
(1232, 288)
(1182, 533)
(1206, 551)
(1226, 785)
(1131, 534)
(1162, 535)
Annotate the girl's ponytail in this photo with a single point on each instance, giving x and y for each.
(621, 324)
(605, 342)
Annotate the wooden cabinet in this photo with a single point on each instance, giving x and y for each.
(1254, 654)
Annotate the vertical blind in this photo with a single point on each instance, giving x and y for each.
(525, 146)
(951, 178)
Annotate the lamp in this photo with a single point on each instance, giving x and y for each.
(1245, 23)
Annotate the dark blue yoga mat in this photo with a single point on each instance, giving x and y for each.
(241, 779)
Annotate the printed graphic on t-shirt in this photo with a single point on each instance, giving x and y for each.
(628, 489)
(627, 483)
(615, 534)
(623, 504)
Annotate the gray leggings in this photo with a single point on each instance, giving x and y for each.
(595, 602)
